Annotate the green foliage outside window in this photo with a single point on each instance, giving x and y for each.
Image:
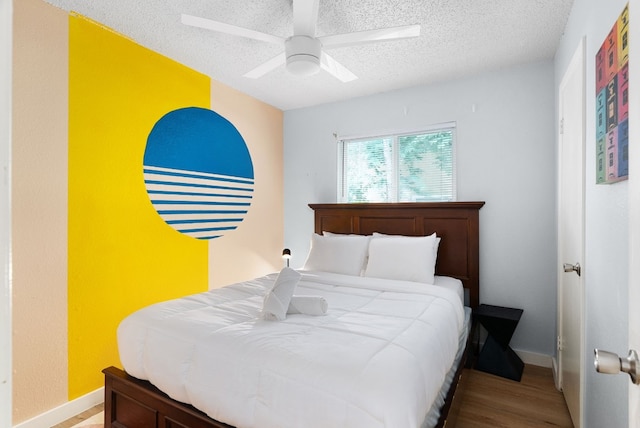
(405, 168)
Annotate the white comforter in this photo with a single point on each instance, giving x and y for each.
(376, 359)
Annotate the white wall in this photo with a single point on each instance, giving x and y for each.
(5, 211)
(505, 155)
(606, 241)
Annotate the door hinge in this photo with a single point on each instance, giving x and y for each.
(559, 343)
(562, 126)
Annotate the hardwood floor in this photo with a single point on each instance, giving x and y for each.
(495, 402)
(81, 417)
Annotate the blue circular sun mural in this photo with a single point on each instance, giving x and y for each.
(198, 172)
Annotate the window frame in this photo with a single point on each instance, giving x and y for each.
(340, 148)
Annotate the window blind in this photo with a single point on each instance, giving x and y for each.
(416, 167)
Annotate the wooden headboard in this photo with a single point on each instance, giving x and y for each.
(455, 222)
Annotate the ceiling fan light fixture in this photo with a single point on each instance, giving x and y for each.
(303, 55)
(303, 65)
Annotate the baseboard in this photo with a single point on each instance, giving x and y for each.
(535, 359)
(65, 411)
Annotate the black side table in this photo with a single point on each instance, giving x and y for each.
(496, 357)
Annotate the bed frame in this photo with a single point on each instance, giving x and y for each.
(455, 222)
(130, 402)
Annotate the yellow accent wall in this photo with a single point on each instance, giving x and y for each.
(122, 256)
(88, 247)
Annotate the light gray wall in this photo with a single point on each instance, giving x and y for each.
(606, 236)
(505, 156)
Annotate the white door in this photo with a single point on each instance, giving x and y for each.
(634, 203)
(634, 250)
(634, 206)
(571, 235)
(634, 256)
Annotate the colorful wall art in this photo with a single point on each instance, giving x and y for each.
(612, 104)
(198, 173)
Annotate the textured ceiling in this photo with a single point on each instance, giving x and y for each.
(458, 38)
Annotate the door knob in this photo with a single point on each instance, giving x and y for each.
(568, 267)
(610, 363)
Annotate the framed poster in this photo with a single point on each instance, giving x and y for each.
(612, 104)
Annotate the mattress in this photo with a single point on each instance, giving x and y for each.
(378, 357)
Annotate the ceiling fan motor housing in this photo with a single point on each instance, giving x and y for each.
(303, 55)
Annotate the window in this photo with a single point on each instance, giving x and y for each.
(412, 167)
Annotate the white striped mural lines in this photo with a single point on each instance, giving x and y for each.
(197, 204)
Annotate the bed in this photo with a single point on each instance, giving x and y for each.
(354, 390)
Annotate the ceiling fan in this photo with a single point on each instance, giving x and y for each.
(304, 53)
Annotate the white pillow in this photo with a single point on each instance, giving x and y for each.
(339, 235)
(338, 254)
(366, 256)
(435, 246)
(402, 258)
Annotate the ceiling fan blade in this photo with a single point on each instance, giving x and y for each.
(266, 67)
(305, 17)
(370, 36)
(336, 69)
(221, 27)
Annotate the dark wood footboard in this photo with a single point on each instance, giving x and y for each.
(133, 403)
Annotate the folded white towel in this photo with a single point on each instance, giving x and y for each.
(277, 300)
(308, 305)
